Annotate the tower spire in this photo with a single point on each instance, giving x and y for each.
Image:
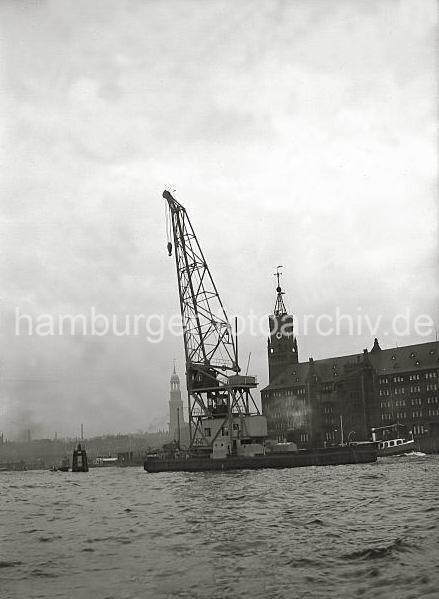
(176, 418)
(282, 343)
(279, 306)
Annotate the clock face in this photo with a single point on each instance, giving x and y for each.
(278, 335)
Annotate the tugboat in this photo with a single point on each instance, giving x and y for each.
(393, 439)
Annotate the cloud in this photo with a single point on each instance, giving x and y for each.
(295, 133)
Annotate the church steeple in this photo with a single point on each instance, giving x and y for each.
(176, 418)
(175, 381)
(282, 344)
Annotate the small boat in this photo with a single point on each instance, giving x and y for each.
(395, 447)
(65, 465)
(107, 461)
(395, 440)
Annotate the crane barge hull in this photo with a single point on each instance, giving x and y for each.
(328, 456)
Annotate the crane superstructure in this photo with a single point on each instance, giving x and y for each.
(223, 416)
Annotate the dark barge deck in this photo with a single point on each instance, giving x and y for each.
(328, 456)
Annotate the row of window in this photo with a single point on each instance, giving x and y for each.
(303, 437)
(281, 415)
(275, 414)
(401, 415)
(401, 390)
(288, 392)
(418, 429)
(327, 388)
(328, 408)
(401, 403)
(384, 380)
(386, 416)
(278, 427)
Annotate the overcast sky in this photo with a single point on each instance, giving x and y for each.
(295, 133)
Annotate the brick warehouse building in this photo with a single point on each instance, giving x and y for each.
(317, 402)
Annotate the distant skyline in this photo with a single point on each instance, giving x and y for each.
(295, 133)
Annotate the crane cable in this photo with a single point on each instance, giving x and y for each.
(168, 229)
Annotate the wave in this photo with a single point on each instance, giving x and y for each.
(302, 562)
(234, 498)
(316, 521)
(397, 546)
(44, 574)
(10, 564)
(49, 539)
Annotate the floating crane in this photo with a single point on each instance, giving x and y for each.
(227, 432)
(219, 397)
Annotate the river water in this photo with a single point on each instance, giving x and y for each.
(338, 531)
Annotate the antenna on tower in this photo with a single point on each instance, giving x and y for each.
(278, 274)
(279, 306)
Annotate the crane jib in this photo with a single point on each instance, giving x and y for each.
(214, 385)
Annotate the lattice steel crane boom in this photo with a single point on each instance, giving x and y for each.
(215, 388)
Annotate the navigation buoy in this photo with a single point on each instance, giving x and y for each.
(79, 462)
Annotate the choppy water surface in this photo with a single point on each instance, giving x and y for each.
(343, 531)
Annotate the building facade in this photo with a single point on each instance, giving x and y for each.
(340, 399)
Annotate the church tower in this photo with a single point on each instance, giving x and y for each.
(176, 418)
(282, 344)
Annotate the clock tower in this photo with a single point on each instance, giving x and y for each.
(282, 344)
